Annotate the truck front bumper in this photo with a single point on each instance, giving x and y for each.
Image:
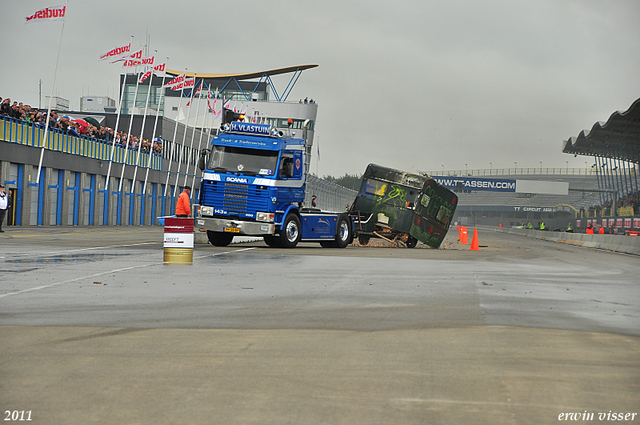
(235, 226)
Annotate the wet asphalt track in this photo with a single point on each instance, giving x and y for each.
(517, 333)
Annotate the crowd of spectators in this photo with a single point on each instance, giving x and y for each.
(629, 200)
(22, 112)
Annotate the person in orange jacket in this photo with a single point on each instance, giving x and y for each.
(601, 230)
(183, 209)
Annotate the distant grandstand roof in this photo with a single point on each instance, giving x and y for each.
(618, 138)
(247, 75)
(263, 76)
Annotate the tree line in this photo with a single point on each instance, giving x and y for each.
(350, 181)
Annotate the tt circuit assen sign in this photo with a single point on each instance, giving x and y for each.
(471, 183)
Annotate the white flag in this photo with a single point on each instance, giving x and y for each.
(53, 13)
(117, 52)
(158, 70)
(177, 80)
(133, 56)
(188, 82)
(137, 62)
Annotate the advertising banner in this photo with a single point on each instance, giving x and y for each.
(474, 183)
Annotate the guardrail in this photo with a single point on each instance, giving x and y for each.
(616, 243)
(531, 171)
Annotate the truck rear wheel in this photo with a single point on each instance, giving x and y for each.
(290, 234)
(411, 242)
(344, 232)
(219, 238)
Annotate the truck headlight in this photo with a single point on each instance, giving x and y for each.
(206, 210)
(263, 216)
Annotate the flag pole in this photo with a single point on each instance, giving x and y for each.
(144, 121)
(173, 141)
(193, 135)
(53, 86)
(115, 130)
(193, 181)
(155, 125)
(126, 153)
(186, 125)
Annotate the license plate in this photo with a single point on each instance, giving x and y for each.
(231, 229)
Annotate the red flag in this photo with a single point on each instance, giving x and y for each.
(117, 52)
(53, 13)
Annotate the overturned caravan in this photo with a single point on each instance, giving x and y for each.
(399, 206)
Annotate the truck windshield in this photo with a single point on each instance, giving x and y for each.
(243, 161)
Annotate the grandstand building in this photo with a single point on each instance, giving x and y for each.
(73, 179)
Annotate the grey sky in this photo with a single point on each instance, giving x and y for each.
(406, 84)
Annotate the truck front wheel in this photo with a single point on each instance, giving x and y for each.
(290, 234)
(219, 239)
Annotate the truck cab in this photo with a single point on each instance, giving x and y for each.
(253, 184)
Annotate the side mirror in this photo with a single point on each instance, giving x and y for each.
(202, 163)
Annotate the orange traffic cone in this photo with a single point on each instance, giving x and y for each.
(474, 242)
(463, 236)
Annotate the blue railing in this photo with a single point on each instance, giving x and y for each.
(24, 133)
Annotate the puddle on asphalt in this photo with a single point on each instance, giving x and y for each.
(64, 258)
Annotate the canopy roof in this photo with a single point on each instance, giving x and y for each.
(618, 138)
(247, 75)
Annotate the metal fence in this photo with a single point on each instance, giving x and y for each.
(329, 196)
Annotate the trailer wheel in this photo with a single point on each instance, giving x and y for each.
(290, 234)
(411, 242)
(219, 238)
(343, 232)
(363, 239)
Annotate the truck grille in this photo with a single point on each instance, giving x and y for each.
(236, 199)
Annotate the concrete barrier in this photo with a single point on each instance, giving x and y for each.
(617, 243)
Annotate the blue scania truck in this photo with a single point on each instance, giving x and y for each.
(253, 184)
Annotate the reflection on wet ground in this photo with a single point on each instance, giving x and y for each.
(62, 258)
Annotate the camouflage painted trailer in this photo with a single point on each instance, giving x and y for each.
(399, 206)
